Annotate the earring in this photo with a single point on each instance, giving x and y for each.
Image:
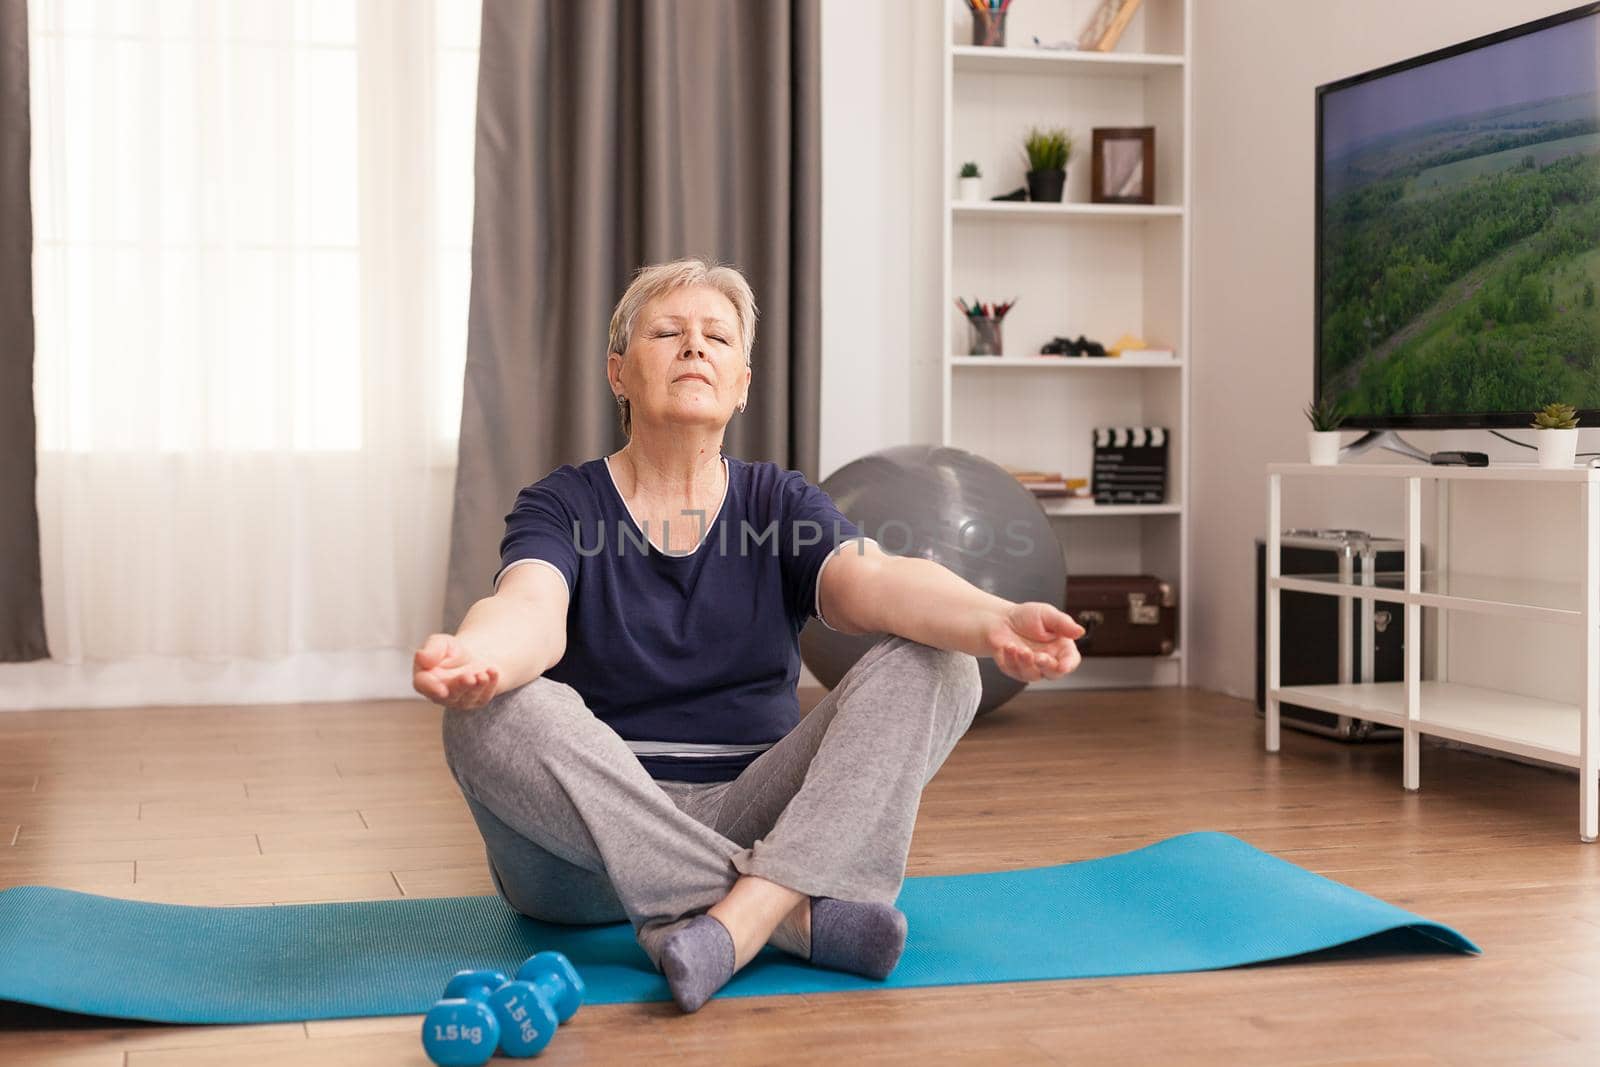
(741, 406)
(621, 399)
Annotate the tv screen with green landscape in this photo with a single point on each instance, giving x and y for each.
(1458, 231)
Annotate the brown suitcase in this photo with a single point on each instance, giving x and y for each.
(1124, 614)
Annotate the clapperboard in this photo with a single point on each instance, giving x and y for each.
(1130, 465)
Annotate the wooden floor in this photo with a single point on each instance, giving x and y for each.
(352, 801)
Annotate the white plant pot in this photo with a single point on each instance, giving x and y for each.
(1557, 448)
(1323, 446)
(971, 188)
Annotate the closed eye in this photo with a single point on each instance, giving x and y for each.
(674, 333)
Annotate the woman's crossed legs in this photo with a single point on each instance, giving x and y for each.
(578, 832)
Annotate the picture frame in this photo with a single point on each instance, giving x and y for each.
(1123, 165)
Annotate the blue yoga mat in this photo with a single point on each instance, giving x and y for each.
(1198, 901)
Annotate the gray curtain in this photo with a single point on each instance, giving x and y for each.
(614, 134)
(21, 602)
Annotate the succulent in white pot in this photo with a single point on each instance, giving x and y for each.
(971, 182)
(1323, 439)
(1558, 435)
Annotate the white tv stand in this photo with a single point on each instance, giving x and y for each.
(1559, 733)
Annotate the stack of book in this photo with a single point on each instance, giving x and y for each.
(1050, 483)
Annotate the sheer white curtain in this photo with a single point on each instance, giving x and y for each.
(252, 223)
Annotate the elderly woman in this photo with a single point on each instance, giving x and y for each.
(621, 712)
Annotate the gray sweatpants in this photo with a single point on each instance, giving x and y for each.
(578, 832)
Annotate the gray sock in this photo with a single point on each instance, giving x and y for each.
(861, 938)
(697, 959)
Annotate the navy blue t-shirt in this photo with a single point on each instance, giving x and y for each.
(692, 658)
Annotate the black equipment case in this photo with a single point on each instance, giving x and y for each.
(1315, 648)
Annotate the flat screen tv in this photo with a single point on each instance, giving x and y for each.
(1458, 232)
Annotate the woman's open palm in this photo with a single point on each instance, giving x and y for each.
(1035, 640)
(445, 671)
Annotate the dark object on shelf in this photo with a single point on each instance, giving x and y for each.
(1063, 346)
(1123, 165)
(1459, 459)
(1130, 465)
(988, 28)
(986, 318)
(1045, 186)
(1124, 614)
(1019, 193)
(1315, 647)
(987, 339)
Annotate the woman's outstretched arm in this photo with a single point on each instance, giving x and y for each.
(506, 641)
(864, 590)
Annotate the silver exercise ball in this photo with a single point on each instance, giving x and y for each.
(959, 510)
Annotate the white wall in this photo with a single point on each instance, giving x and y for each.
(1256, 68)
(881, 276)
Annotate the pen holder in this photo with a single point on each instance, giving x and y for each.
(985, 337)
(988, 28)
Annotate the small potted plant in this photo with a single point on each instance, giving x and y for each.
(1558, 435)
(1325, 417)
(971, 182)
(1047, 152)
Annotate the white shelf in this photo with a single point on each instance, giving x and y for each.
(1482, 594)
(1062, 212)
(973, 59)
(1061, 362)
(1496, 472)
(1101, 270)
(1567, 734)
(1068, 506)
(1506, 722)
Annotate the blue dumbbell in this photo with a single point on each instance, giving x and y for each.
(527, 1021)
(557, 981)
(525, 1012)
(462, 1030)
(545, 994)
(463, 982)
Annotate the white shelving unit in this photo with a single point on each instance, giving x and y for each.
(1075, 268)
(1560, 732)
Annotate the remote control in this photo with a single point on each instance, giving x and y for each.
(1459, 459)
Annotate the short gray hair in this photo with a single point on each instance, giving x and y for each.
(661, 278)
